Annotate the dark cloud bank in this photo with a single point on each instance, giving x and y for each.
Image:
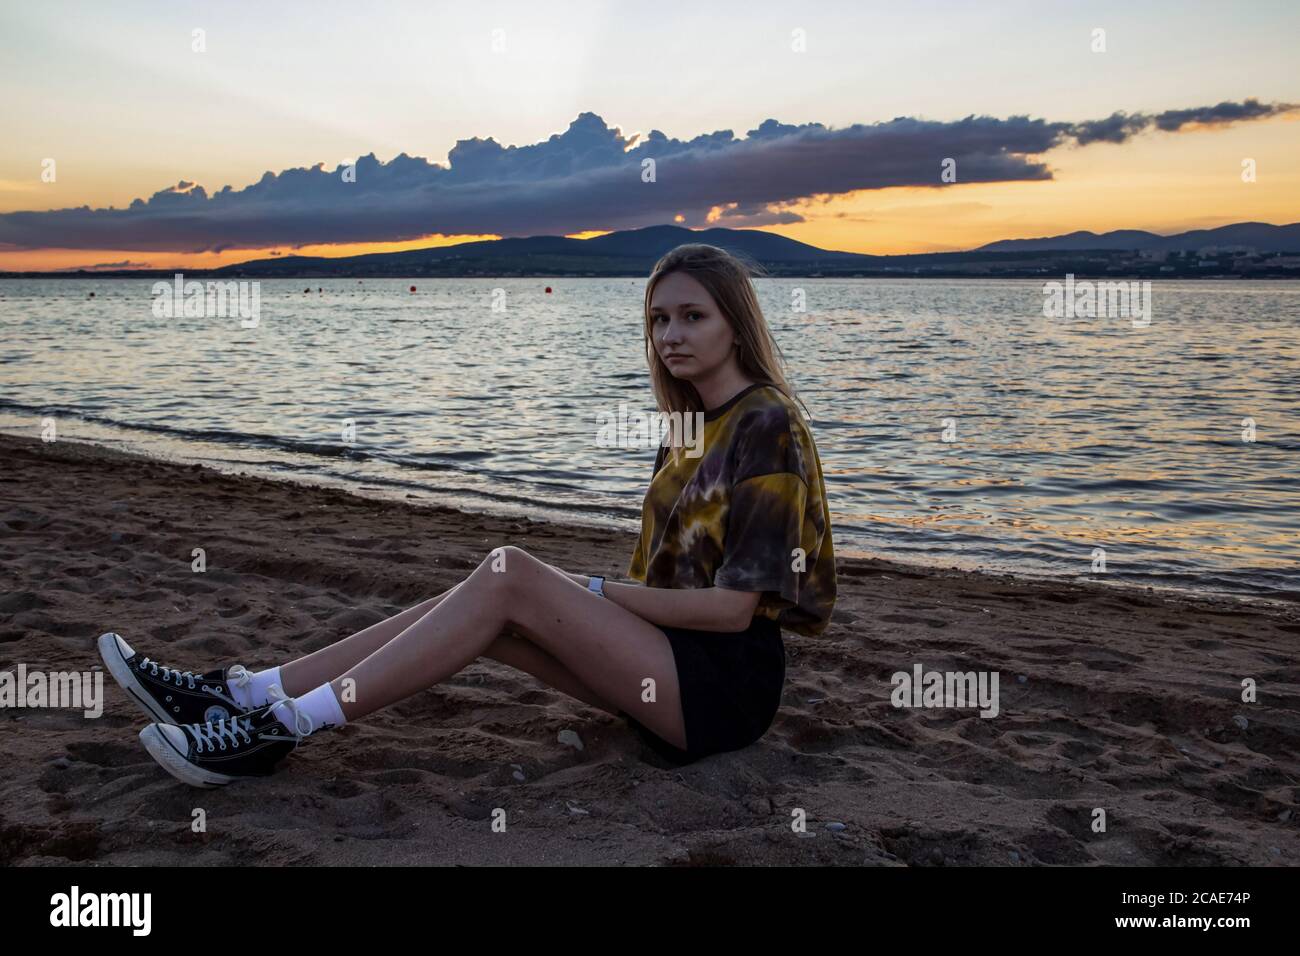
(590, 178)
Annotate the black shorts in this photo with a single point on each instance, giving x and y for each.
(731, 685)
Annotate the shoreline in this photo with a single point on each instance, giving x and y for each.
(185, 453)
(400, 491)
(1129, 701)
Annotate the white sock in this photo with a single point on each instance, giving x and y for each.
(254, 693)
(321, 705)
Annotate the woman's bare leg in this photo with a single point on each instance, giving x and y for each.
(522, 654)
(310, 671)
(607, 648)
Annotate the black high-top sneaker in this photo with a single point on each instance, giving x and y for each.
(219, 753)
(169, 695)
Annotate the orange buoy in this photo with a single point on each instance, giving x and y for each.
(412, 288)
(548, 290)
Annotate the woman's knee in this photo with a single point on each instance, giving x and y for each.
(509, 568)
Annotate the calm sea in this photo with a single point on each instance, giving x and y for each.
(956, 424)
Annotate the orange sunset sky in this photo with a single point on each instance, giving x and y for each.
(127, 106)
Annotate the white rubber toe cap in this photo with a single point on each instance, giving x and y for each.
(108, 641)
(175, 736)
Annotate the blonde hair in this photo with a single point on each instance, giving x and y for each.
(726, 276)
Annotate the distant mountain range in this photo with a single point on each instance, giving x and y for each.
(631, 252)
(1261, 236)
(634, 252)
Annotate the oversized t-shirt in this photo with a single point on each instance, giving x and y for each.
(749, 514)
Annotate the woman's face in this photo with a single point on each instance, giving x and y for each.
(688, 330)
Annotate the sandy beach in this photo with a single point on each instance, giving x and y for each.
(1111, 697)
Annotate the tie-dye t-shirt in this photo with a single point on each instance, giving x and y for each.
(734, 516)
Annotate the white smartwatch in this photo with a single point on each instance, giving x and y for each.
(596, 584)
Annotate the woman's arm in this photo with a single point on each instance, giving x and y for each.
(705, 609)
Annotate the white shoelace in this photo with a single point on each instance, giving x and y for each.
(169, 674)
(300, 718)
(239, 676)
(215, 735)
(236, 676)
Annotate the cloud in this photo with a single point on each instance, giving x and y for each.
(588, 178)
(1119, 127)
(124, 264)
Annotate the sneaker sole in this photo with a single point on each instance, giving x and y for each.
(174, 762)
(121, 672)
